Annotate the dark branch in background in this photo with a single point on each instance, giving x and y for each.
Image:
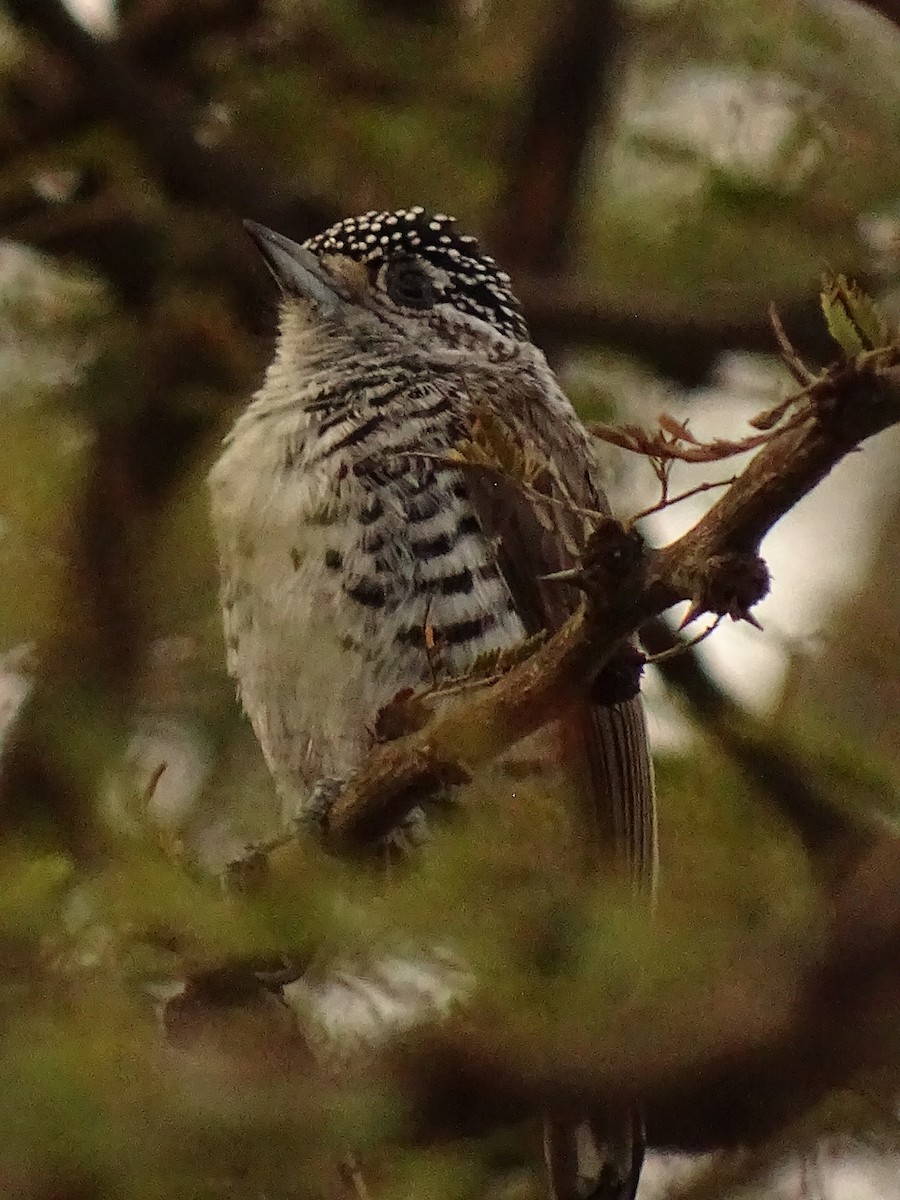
(682, 350)
(213, 176)
(562, 112)
(890, 9)
(729, 1066)
(108, 78)
(425, 12)
(73, 724)
(776, 771)
(162, 36)
(42, 103)
(75, 720)
(104, 233)
(48, 100)
(567, 105)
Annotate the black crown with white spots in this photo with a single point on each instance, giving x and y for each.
(477, 284)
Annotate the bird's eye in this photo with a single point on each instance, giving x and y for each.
(408, 285)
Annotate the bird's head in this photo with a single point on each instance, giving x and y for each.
(406, 277)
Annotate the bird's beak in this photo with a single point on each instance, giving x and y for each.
(297, 271)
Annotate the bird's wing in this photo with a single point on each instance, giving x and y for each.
(540, 529)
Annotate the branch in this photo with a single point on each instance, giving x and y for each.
(889, 9)
(732, 1058)
(727, 1065)
(108, 78)
(217, 176)
(681, 345)
(567, 97)
(834, 840)
(761, 1043)
(786, 1023)
(715, 565)
(156, 35)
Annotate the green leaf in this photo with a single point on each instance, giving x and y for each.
(853, 318)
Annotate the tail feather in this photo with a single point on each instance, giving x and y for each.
(592, 1160)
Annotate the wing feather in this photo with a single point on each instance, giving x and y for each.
(539, 529)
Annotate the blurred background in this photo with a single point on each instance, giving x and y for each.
(653, 174)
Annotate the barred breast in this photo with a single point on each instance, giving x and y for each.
(353, 565)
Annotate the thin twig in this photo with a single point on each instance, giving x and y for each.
(662, 446)
(155, 775)
(668, 501)
(791, 359)
(458, 463)
(683, 647)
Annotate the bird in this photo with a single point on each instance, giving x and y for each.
(360, 554)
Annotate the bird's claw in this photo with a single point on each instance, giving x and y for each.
(312, 817)
(312, 814)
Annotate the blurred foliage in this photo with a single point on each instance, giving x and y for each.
(750, 139)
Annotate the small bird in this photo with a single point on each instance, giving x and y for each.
(360, 556)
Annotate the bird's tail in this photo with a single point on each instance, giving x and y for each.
(595, 1158)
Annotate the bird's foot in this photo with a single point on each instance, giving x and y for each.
(311, 818)
(312, 813)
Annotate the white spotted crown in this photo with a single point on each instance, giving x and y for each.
(477, 284)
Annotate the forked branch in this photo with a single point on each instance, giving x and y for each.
(715, 566)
